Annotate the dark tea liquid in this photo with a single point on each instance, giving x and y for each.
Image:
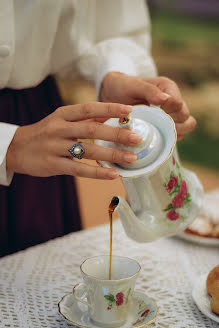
(112, 206)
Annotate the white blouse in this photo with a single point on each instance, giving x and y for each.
(69, 37)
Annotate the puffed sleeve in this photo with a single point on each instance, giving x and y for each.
(120, 41)
(7, 132)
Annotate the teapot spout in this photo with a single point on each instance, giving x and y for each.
(133, 226)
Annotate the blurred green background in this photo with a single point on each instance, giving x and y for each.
(186, 49)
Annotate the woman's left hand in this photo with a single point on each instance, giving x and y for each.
(130, 90)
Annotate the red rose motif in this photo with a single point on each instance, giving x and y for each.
(109, 308)
(183, 189)
(172, 215)
(145, 312)
(172, 183)
(119, 299)
(177, 201)
(174, 162)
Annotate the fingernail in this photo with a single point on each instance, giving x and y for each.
(164, 96)
(134, 138)
(113, 174)
(130, 158)
(126, 110)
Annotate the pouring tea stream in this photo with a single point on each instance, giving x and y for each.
(163, 196)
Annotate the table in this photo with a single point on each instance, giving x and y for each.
(33, 281)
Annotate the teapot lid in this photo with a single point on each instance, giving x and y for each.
(166, 127)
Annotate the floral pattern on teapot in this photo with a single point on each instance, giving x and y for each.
(177, 189)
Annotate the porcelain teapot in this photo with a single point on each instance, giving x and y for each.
(163, 196)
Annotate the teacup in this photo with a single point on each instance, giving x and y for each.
(108, 301)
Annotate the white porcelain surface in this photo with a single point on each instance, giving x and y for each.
(146, 217)
(150, 147)
(202, 299)
(165, 125)
(143, 311)
(108, 301)
(98, 267)
(163, 197)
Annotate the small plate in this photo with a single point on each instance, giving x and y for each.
(199, 240)
(210, 209)
(143, 312)
(202, 299)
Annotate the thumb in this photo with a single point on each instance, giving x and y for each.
(150, 93)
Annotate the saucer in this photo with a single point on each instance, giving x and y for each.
(143, 312)
(202, 299)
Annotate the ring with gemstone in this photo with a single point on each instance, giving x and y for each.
(77, 150)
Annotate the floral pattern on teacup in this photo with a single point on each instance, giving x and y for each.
(117, 300)
(177, 189)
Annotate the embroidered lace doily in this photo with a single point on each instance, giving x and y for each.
(32, 282)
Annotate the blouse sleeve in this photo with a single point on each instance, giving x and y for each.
(7, 132)
(120, 41)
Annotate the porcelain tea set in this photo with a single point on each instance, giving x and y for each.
(99, 302)
(163, 199)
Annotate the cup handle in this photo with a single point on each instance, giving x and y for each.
(83, 288)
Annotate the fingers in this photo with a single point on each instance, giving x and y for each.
(177, 108)
(166, 85)
(148, 92)
(179, 138)
(97, 152)
(174, 105)
(186, 127)
(96, 130)
(75, 168)
(93, 110)
(181, 115)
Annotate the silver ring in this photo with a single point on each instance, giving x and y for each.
(77, 150)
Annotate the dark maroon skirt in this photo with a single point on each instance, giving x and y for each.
(34, 210)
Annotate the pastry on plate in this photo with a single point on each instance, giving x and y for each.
(212, 286)
(207, 223)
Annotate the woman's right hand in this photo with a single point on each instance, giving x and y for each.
(41, 149)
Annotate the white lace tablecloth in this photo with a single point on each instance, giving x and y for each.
(32, 282)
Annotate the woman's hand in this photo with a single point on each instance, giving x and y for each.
(122, 88)
(41, 149)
